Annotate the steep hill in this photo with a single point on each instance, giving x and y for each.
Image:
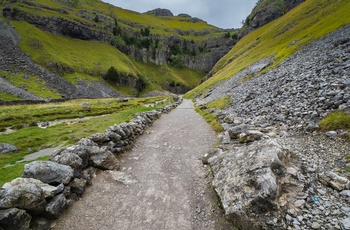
(282, 97)
(74, 43)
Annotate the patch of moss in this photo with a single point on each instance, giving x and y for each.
(336, 120)
(220, 103)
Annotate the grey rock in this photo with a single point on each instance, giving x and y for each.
(105, 160)
(250, 136)
(345, 193)
(122, 177)
(67, 157)
(236, 130)
(7, 148)
(316, 225)
(331, 134)
(48, 190)
(25, 196)
(346, 223)
(334, 180)
(259, 168)
(48, 172)
(78, 186)
(14, 219)
(55, 207)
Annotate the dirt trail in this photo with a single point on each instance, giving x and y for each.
(167, 186)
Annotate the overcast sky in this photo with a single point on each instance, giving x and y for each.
(220, 13)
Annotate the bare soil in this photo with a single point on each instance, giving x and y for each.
(163, 184)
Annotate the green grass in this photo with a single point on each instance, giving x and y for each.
(37, 138)
(210, 118)
(220, 103)
(336, 120)
(8, 97)
(309, 21)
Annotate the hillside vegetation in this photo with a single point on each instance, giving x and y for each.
(81, 40)
(281, 38)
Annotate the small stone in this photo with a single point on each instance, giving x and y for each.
(346, 223)
(299, 203)
(316, 225)
(331, 134)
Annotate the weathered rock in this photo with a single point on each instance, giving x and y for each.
(236, 130)
(14, 219)
(25, 196)
(250, 136)
(85, 106)
(253, 183)
(346, 223)
(48, 190)
(55, 206)
(48, 172)
(334, 180)
(98, 138)
(105, 160)
(67, 157)
(7, 148)
(78, 186)
(122, 177)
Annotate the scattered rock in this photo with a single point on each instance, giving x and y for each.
(55, 206)
(7, 148)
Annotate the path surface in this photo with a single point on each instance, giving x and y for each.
(169, 188)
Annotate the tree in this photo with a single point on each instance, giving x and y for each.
(112, 75)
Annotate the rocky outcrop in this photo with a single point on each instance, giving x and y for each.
(48, 187)
(266, 11)
(283, 106)
(160, 12)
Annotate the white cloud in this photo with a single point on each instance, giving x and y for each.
(221, 13)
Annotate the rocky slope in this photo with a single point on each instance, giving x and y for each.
(14, 61)
(274, 169)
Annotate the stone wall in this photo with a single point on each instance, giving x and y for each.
(46, 188)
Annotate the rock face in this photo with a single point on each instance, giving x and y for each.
(48, 187)
(266, 11)
(254, 182)
(160, 12)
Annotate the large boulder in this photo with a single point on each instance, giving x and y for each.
(48, 172)
(27, 196)
(14, 219)
(7, 148)
(48, 190)
(257, 183)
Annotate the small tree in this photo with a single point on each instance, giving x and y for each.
(111, 75)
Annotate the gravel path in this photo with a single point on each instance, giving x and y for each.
(165, 184)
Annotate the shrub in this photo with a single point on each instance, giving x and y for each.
(111, 75)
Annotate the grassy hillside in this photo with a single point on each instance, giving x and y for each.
(281, 38)
(75, 59)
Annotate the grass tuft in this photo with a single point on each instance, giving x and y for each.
(336, 120)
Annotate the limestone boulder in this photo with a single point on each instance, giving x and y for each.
(55, 207)
(27, 196)
(48, 172)
(255, 183)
